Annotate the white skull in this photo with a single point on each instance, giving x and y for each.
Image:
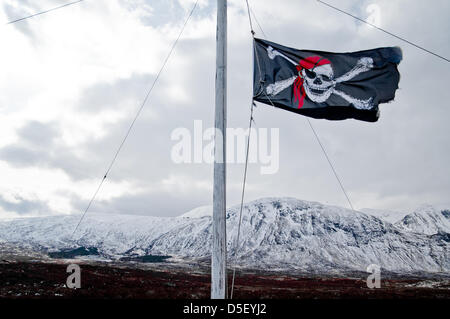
(318, 82)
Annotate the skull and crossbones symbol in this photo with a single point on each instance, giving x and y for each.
(316, 80)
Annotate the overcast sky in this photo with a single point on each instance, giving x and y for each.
(72, 80)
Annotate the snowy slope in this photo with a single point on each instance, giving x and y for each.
(277, 233)
(111, 233)
(386, 215)
(426, 220)
(199, 212)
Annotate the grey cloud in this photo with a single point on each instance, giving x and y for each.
(34, 147)
(147, 203)
(37, 133)
(21, 156)
(104, 96)
(38, 146)
(24, 206)
(164, 12)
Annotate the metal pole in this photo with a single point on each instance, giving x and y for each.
(219, 246)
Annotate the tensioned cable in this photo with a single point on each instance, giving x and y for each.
(242, 200)
(326, 156)
(257, 22)
(249, 18)
(385, 31)
(46, 11)
(331, 164)
(245, 167)
(136, 116)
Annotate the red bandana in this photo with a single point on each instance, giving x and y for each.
(308, 63)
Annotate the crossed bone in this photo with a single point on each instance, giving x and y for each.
(363, 65)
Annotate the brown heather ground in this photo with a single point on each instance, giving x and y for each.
(26, 279)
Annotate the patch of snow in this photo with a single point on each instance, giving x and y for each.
(199, 212)
(386, 215)
(429, 284)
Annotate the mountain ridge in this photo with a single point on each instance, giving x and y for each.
(276, 233)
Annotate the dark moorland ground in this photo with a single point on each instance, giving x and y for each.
(37, 279)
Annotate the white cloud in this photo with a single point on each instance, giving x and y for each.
(87, 68)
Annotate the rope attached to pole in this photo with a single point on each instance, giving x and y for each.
(242, 199)
(246, 166)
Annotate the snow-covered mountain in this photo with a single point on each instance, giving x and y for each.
(426, 220)
(276, 233)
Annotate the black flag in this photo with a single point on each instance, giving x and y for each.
(325, 85)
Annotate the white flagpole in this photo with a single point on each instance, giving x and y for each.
(219, 246)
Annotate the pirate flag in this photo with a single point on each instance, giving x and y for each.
(325, 85)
